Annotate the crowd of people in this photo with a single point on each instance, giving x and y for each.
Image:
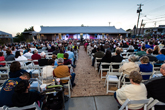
(144, 55)
(65, 53)
(16, 90)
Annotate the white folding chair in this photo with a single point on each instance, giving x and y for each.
(115, 64)
(4, 71)
(147, 73)
(129, 102)
(68, 85)
(112, 78)
(4, 62)
(49, 56)
(157, 74)
(34, 105)
(123, 79)
(104, 69)
(151, 106)
(97, 62)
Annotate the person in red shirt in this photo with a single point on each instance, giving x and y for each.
(36, 56)
(2, 58)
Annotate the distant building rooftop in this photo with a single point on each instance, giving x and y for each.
(79, 29)
(5, 35)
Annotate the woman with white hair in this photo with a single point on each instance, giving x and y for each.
(127, 68)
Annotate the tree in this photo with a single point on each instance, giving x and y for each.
(82, 25)
(128, 30)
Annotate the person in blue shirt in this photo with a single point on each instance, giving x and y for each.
(15, 70)
(161, 56)
(71, 55)
(8, 89)
(145, 66)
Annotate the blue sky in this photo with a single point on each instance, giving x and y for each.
(16, 15)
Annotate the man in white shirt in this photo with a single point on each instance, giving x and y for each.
(28, 54)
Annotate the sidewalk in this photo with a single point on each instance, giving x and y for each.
(92, 103)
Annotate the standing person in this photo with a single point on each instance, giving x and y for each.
(8, 89)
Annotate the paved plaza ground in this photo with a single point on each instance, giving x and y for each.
(92, 103)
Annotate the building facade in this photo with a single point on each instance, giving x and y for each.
(5, 37)
(77, 32)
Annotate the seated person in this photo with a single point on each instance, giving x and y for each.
(66, 60)
(106, 58)
(117, 58)
(130, 48)
(48, 70)
(43, 61)
(60, 54)
(161, 56)
(22, 96)
(56, 51)
(2, 58)
(127, 68)
(145, 66)
(20, 57)
(142, 52)
(98, 54)
(9, 56)
(151, 57)
(36, 56)
(156, 50)
(155, 88)
(62, 71)
(54, 57)
(134, 91)
(28, 54)
(8, 89)
(15, 70)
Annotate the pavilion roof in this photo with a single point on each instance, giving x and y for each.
(79, 29)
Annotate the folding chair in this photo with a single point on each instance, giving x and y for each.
(111, 77)
(68, 85)
(128, 102)
(147, 73)
(115, 64)
(4, 71)
(49, 56)
(34, 105)
(153, 103)
(104, 69)
(157, 74)
(97, 62)
(123, 79)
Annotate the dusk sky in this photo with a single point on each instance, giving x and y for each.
(16, 15)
